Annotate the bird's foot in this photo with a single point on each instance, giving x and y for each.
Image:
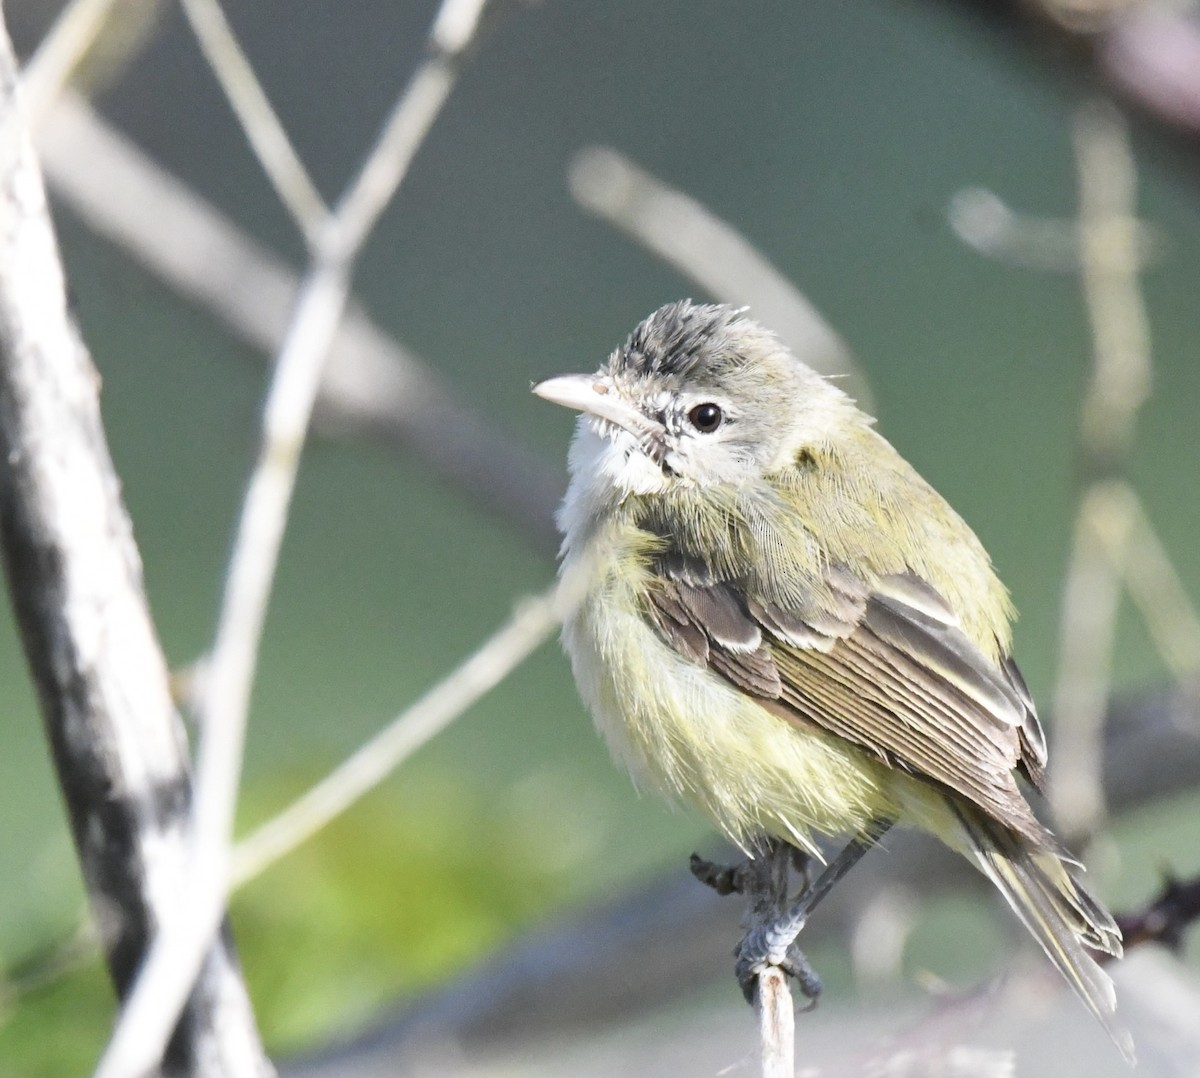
(724, 879)
(761, 949)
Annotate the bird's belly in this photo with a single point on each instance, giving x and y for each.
(683, 729)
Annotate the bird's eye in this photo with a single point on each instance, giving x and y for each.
(706, 418)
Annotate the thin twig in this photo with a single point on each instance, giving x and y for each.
(1087, 635)
(59, 54)
(166, 973)
(712, 253)
(530, 624)
(1119, 384)
(169, 969)
(454, 29)
(984, 222)
(1158, 592)
(1114, 542)
(259, 121)
(776, 1024)
(764, 880)
(371, 387)
(1109, 259)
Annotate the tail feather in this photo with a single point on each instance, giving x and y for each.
(1057, 910)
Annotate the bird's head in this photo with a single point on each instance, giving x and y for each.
(699, 395)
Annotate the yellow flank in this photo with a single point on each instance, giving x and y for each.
(696, 738)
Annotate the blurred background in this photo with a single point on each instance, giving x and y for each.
(834, 136)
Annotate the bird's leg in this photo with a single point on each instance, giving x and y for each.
(746, 877)
(771, 940)
(724, 879)
(765, 880)
(801, 865)
(767, 886)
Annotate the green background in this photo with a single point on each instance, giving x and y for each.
(834, 135)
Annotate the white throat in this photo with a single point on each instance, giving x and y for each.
(604, 471)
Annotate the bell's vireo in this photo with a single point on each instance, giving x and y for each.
(779, 621)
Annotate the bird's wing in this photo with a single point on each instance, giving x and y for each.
(885, 666)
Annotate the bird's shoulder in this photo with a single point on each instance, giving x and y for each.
(875, 513)
(820, 593)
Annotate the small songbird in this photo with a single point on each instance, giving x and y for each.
(776, 619)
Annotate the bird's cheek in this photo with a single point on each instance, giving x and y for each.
(634, 472)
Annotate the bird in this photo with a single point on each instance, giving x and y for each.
(773, 617)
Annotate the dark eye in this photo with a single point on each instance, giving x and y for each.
(706, 417)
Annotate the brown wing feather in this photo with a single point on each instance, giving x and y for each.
(887, 669)
(1033, 738)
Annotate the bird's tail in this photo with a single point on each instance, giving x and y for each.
(1056, 909)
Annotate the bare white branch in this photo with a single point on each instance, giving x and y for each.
(1114, 542)
(60, 52)
(403, 132)
(371, 387)
(165, 978)
(984, 222)
(170, 967)
(1090, 598)
(531, 623)
(776, 1024)
(262, 126)
(1110, 264)
(456, 25)
(1157, 590)
(75, 578)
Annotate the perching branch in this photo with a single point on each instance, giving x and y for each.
(776, 1024)
(74, 576)
(621, 956)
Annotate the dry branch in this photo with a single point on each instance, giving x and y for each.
(529, 626)
(74, 576)
(261, 125)
(1119, 385)
(74, 33)
(776, 1024)
(174, 958)
(688, 236)
(1115, 546)
(372, 388)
